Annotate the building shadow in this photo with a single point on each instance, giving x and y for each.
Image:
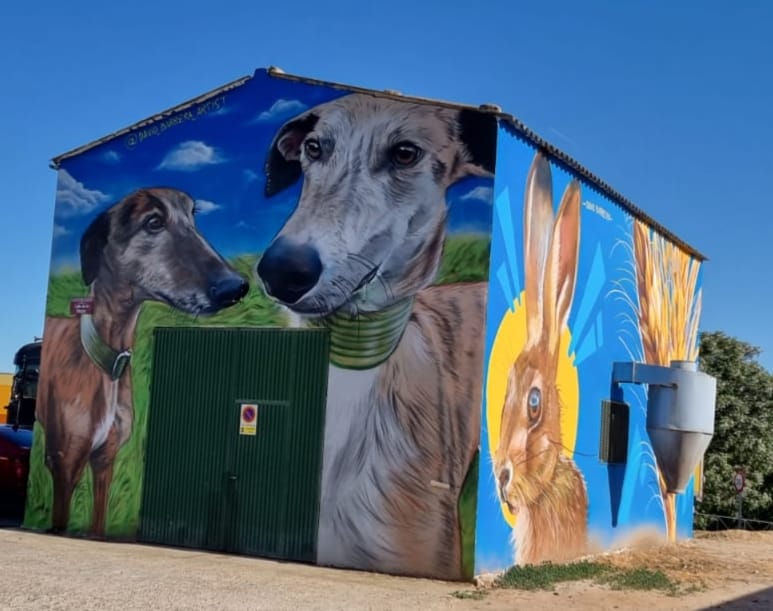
(762, 599)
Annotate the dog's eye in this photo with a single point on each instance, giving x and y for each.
(154, 223)
(405, 154)
(534, 402)
(313, 149)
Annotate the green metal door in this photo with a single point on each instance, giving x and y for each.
(234, 449)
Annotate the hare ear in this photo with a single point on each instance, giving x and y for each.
(537, 224)
(561, 272)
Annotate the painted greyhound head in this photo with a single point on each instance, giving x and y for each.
(369, 227)
(147, 247)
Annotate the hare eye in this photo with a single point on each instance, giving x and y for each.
(535, 404)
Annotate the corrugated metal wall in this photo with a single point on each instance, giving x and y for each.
(208, 486)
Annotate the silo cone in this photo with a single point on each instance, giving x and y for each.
(680, 415)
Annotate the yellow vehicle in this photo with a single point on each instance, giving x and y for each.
(6, 382)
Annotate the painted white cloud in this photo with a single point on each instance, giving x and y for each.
(204, 206)
(73, 198)
(243, 225)
(111, 157)
(189, 156)
(60, 230)
(483, 194)
(281, 109)
(250, 176)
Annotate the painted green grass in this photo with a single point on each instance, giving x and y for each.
(465, 259)
(61, 289)
(468, 502)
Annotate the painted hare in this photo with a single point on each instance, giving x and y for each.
(539, 484)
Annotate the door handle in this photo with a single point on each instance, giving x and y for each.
(232, 477)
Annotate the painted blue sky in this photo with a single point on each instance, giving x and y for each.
(669, 104)
(215, 150)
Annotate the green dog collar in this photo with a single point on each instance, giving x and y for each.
(368, 339)
(112, 362)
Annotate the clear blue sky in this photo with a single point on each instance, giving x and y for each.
(669, 102)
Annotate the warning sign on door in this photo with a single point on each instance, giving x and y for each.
(248, 424)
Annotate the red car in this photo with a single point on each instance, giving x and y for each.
(14, 469)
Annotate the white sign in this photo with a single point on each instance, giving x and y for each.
(248, 424)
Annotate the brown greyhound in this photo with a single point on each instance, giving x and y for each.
(144, 248)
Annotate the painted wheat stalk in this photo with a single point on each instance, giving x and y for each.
(669, 312)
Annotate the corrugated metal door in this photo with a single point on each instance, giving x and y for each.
(214, 484)
(184, 483)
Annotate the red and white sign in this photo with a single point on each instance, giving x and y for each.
(81, 305)
(739, 480)
(248, 424)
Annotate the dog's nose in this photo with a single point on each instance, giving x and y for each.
(288, 270)
(228, 290)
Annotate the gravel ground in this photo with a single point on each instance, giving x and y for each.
(47, 572)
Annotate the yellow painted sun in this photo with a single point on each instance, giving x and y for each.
(508, 343)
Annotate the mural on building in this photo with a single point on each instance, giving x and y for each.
(575, 285)
(668, 313)
(367, 215)
(277, 202)
(536, 480)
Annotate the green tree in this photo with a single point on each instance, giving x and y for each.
(743, 429)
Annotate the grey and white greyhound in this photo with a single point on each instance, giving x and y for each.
(359, 254)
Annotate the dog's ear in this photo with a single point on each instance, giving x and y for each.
(93, 242)
(478, 133)
(283, 167)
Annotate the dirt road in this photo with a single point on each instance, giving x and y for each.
(47, 572)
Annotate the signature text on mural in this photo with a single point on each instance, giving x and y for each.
(602, 212)
(184, 116)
